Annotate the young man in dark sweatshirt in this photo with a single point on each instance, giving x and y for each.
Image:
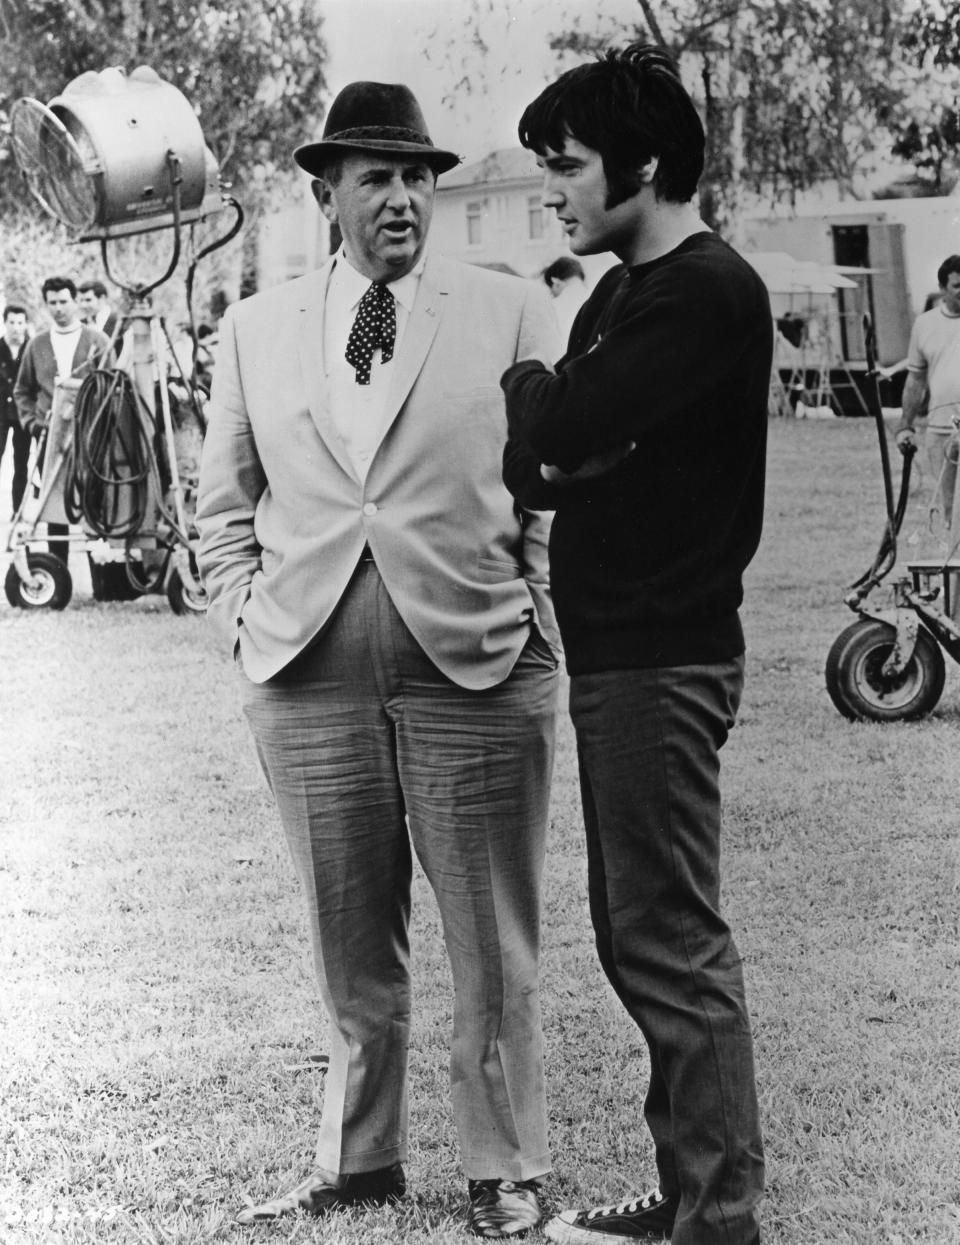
(649, 442)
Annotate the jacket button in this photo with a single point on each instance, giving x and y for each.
(370, 507)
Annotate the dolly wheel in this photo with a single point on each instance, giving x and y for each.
(183, 598)
(859, 688)
(52, 586)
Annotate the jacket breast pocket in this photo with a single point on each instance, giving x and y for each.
(496, 568)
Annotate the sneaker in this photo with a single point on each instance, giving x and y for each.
(646, 1218)
(317, 1196)
(501, 1208)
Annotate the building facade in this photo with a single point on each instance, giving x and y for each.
(491, 212)
(891, 248)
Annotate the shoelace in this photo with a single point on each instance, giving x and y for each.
(628, 1208)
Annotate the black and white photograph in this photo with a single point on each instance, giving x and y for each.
(480, 538)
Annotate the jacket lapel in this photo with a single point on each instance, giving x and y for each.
(310, 336)
(418, 337)
(45, 363)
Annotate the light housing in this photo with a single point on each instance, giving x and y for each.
(116, 155)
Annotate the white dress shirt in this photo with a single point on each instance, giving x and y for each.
(359, 412)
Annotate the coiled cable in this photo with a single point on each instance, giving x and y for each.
(109, 466)
(106, 484)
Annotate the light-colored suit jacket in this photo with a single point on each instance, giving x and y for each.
(283, 517)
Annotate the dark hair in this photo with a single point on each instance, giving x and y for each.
(629, 106)
(563, 269)
(96, 287)
(950, 265)
(12, 309)
(54, 284)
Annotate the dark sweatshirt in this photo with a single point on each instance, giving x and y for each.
(647, 561)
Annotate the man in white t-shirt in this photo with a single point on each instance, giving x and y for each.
(933, 375)
(68, 348)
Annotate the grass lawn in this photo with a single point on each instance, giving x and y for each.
(158, 1007)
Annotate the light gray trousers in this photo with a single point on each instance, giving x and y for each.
(358, 734)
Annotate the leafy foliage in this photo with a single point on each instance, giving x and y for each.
(819, 90)
(936, 34)
(929, 122)
(793, 91)
(932, 147)
(253, 70)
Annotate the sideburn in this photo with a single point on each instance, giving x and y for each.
(621, 187)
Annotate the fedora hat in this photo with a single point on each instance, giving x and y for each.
(377, 117)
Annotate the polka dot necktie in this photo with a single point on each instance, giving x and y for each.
(375, 326)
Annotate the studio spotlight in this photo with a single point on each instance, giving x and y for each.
(116, 155)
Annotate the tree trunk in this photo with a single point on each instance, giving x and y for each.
(736, 95)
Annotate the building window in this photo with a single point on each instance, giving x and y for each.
(474, 223)
(535, 223)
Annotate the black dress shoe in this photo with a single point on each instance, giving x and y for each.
(317, 1196)
(500, 1208)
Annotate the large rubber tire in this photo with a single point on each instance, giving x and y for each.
(183, 598)
(861, 691)
(54, 584)
(10, 588)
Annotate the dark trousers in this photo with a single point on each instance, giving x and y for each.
(648, 744)
(20, 441)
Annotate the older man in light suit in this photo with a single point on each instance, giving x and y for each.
(388, 607)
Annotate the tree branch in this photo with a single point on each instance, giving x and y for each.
(651, 19)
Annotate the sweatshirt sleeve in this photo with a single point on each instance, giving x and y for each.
(538, 336)
(668, 349)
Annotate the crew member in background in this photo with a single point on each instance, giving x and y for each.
(933, 384)
(68, 349)
(12, 345)
(567, 283)
(96, 311)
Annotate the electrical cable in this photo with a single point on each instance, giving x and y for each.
(896, 508)
(108, 465)
(117, 451)
(887, 553)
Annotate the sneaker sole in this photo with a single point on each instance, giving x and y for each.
(564, 1232)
